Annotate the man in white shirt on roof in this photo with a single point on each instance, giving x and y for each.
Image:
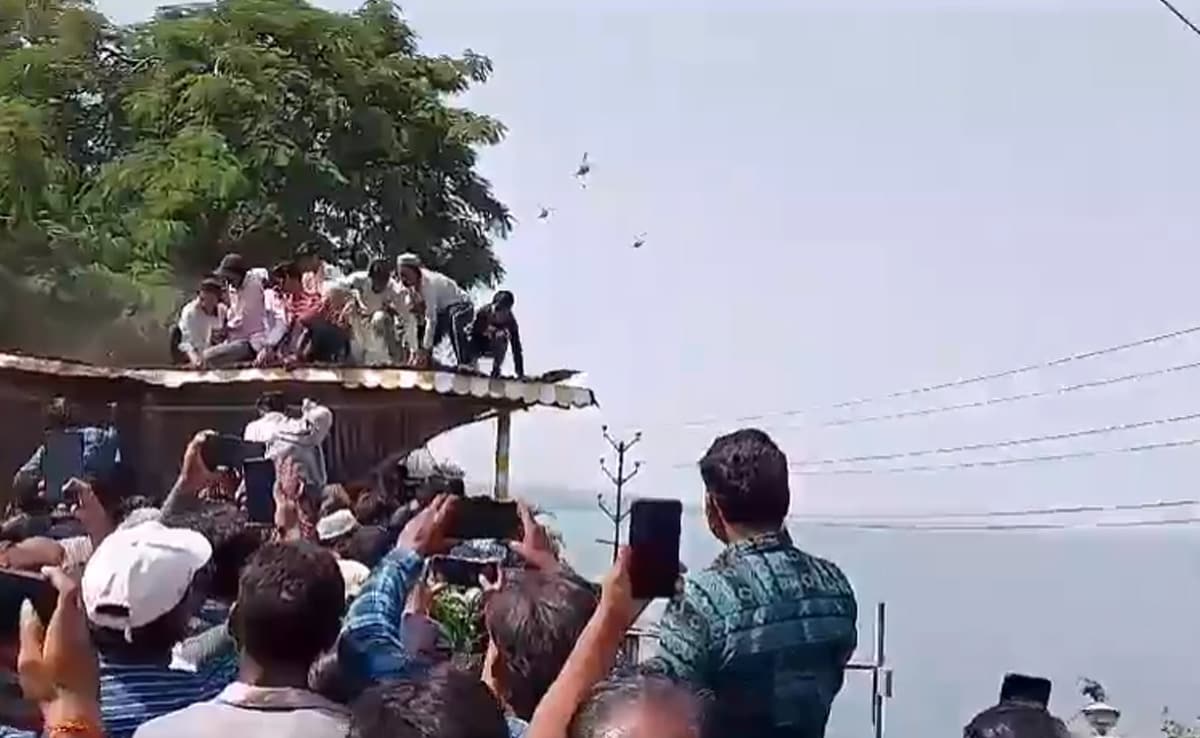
(385, 300)
(200, 324)
(257, 319)
(448, 309)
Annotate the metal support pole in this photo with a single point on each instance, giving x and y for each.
(503, 441)
(881, 678)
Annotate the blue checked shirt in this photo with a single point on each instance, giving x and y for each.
(769, 630)
(371, 648)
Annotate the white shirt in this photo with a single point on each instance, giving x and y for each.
(320, 281)
(297, 438)
(393, 293)
(197, 327)
(439, 292)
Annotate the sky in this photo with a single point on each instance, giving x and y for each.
(842, 200)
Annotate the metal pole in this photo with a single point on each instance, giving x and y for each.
(878, 676)
(619, 480)
(503, 441)
(620, 510)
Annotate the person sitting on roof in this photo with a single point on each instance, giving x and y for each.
(319, 274)
(257, 322)
(383, 299)
(201, 326)
(448, 309)
(311, 336)
(496, 327)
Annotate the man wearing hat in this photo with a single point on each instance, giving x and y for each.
(257, 321)
(139, 593)
(448, 309)
(1021, 713)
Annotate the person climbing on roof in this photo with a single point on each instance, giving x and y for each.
(384, 300)
(319, 274)
(494, 330)
(198, 334)
(257, 320)
(448, 309)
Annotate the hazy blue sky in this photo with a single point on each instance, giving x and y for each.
(840, 203)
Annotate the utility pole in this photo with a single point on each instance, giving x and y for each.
(619, 480)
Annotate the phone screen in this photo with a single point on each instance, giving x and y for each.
(229, 452)
(259, 478)
(462, 572)
(483, 517)
(62, 462)
(654, 529)
(18, 586)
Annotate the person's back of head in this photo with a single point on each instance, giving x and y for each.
(367, 545)
(59, 414)
(445, 703)
(640, 706)
(746, 479)
(533, 623)
(289, 606)
(371, 508)
(1025, 688)
(271, 402)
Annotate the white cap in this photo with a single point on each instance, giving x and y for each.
(141, 573)
(408, 260)
(336, 525)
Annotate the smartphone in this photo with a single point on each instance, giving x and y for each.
(63, 461)
(654, 529)
(229, 452)
(483, 517)
(461, 572)
(259, 477)
(18, 586)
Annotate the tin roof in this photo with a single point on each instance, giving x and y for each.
(523, 391)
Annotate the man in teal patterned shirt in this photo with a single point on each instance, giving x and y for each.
(767, 628)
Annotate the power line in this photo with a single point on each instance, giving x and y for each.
(1000, 444)
(1026, 527)
(1003, 399)
(992, 463)
(1026, 512)
(1052, 363)
(1179, 14)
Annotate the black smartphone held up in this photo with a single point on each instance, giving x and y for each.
(654, 529)
(18, 586)
(229, 452)
(259, 477)
(462, 572)
(483, 517)
(62, 462)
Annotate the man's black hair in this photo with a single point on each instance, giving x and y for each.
(271, 402)
(233, 541)
(372, 508)
(504, 299)
(285, 270)
(310, 248)
(129, 505)
(112, 487)
(59, 414)
(212, 285)
(379, 266)
(615, 695)
(534, 622)
(445, 703)
(1022, 687)
(747, 476)
(366, 544)
(289, 604)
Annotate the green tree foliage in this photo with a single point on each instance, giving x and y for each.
(132, 158)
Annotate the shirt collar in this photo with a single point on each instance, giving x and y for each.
(761, 543)
(249, 697)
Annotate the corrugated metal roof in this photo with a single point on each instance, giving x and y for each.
(529, 392)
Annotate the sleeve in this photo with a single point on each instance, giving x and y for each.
(208, 648)
(34, 465)
(431, 312)
(189, 330)
(518, 352)
(371, 648)
(314, 425)
(277, 321)
(218, 671)
(685, 640)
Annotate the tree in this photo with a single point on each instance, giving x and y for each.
(142, 154)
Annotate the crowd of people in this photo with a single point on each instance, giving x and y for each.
(176, 617)
(307, 311)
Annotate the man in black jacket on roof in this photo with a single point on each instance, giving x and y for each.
(496, 327)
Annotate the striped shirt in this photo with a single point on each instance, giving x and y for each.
(768, 629)
(133, 694)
